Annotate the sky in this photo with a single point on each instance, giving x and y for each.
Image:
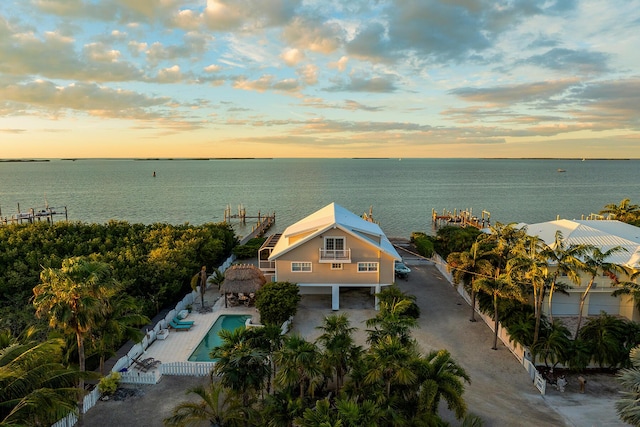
(319, 78)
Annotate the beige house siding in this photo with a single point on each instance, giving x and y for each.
(599, 298)
(323, 273)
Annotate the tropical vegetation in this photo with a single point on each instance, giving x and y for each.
(330, 381)
(513, 274)
(73, 293)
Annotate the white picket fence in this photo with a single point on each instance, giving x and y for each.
(187, 369)
(520, 352)
(90, 399)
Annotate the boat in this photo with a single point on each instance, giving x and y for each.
(561, 170)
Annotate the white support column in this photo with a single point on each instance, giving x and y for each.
(377, 300)
(335, 297)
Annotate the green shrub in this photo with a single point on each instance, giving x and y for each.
(109, 384)
(277, 302)
(424, 244)
(250, 249)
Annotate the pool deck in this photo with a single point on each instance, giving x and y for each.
(179, 345)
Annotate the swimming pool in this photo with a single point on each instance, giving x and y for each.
(211, 340)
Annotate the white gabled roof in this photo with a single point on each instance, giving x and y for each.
(333, 216)
(604, 234)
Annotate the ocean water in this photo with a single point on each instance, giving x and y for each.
(401, 192)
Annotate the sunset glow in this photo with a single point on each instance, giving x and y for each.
(293, 78)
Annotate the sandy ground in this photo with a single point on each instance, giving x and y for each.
(500, 392)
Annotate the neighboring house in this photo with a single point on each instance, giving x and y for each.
(603, 234)
(329, 250)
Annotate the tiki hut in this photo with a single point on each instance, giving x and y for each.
(241, 281)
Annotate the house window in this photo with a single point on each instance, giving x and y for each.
(367, 267)
(301, 266)
(336, 266)
(334, 243)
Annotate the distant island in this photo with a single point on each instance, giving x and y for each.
(23, 160)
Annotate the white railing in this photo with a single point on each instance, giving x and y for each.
(192, 369)
(334, 255)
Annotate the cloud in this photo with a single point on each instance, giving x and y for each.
(340, 64)
(92, 99)
(248, 15)
(319, 37)
(309, 74)
(515, 93)
(576, 61)
(265, 83)
(169, 75)
(292, 57)
(377, 84)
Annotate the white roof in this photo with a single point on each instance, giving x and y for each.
(604, 234)
(334, 216)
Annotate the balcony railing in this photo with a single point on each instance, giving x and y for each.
(267, 265)
(335, 255)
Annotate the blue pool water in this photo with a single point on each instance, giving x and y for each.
(211, 340)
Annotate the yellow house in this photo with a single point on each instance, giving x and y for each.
(330, 249)
(603, 234)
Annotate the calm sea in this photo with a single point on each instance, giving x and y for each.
(401, 192)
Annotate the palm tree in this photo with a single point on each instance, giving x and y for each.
(593, 263)
(390, 363)
(605, 335)
(554, 344)
(269, 340)
(280, 409)
(353, 413)
(199, 280)
(566, 259)
(120, 323)
(35, 388)
(627, 407)
(74, 297)
(216, 406)
(529, 264)
(339, 346)
(629, 287)
(445, 379)
(624, 211)
(468, 266)
(299, 366)
(244, 368)
(320, 416)
(498, 287)
(392, 321)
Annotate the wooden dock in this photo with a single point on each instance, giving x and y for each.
(462, 218)
(34, 214)
(263, 222)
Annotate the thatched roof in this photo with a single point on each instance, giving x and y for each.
(242, 278)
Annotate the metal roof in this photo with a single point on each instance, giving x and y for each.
(333, 216)
(604, 234)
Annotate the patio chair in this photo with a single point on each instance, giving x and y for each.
(179, 326)
(146, 364)
(183, 322)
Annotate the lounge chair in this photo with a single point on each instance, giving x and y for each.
(146, 364)
(183, 322)
(179, 326)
